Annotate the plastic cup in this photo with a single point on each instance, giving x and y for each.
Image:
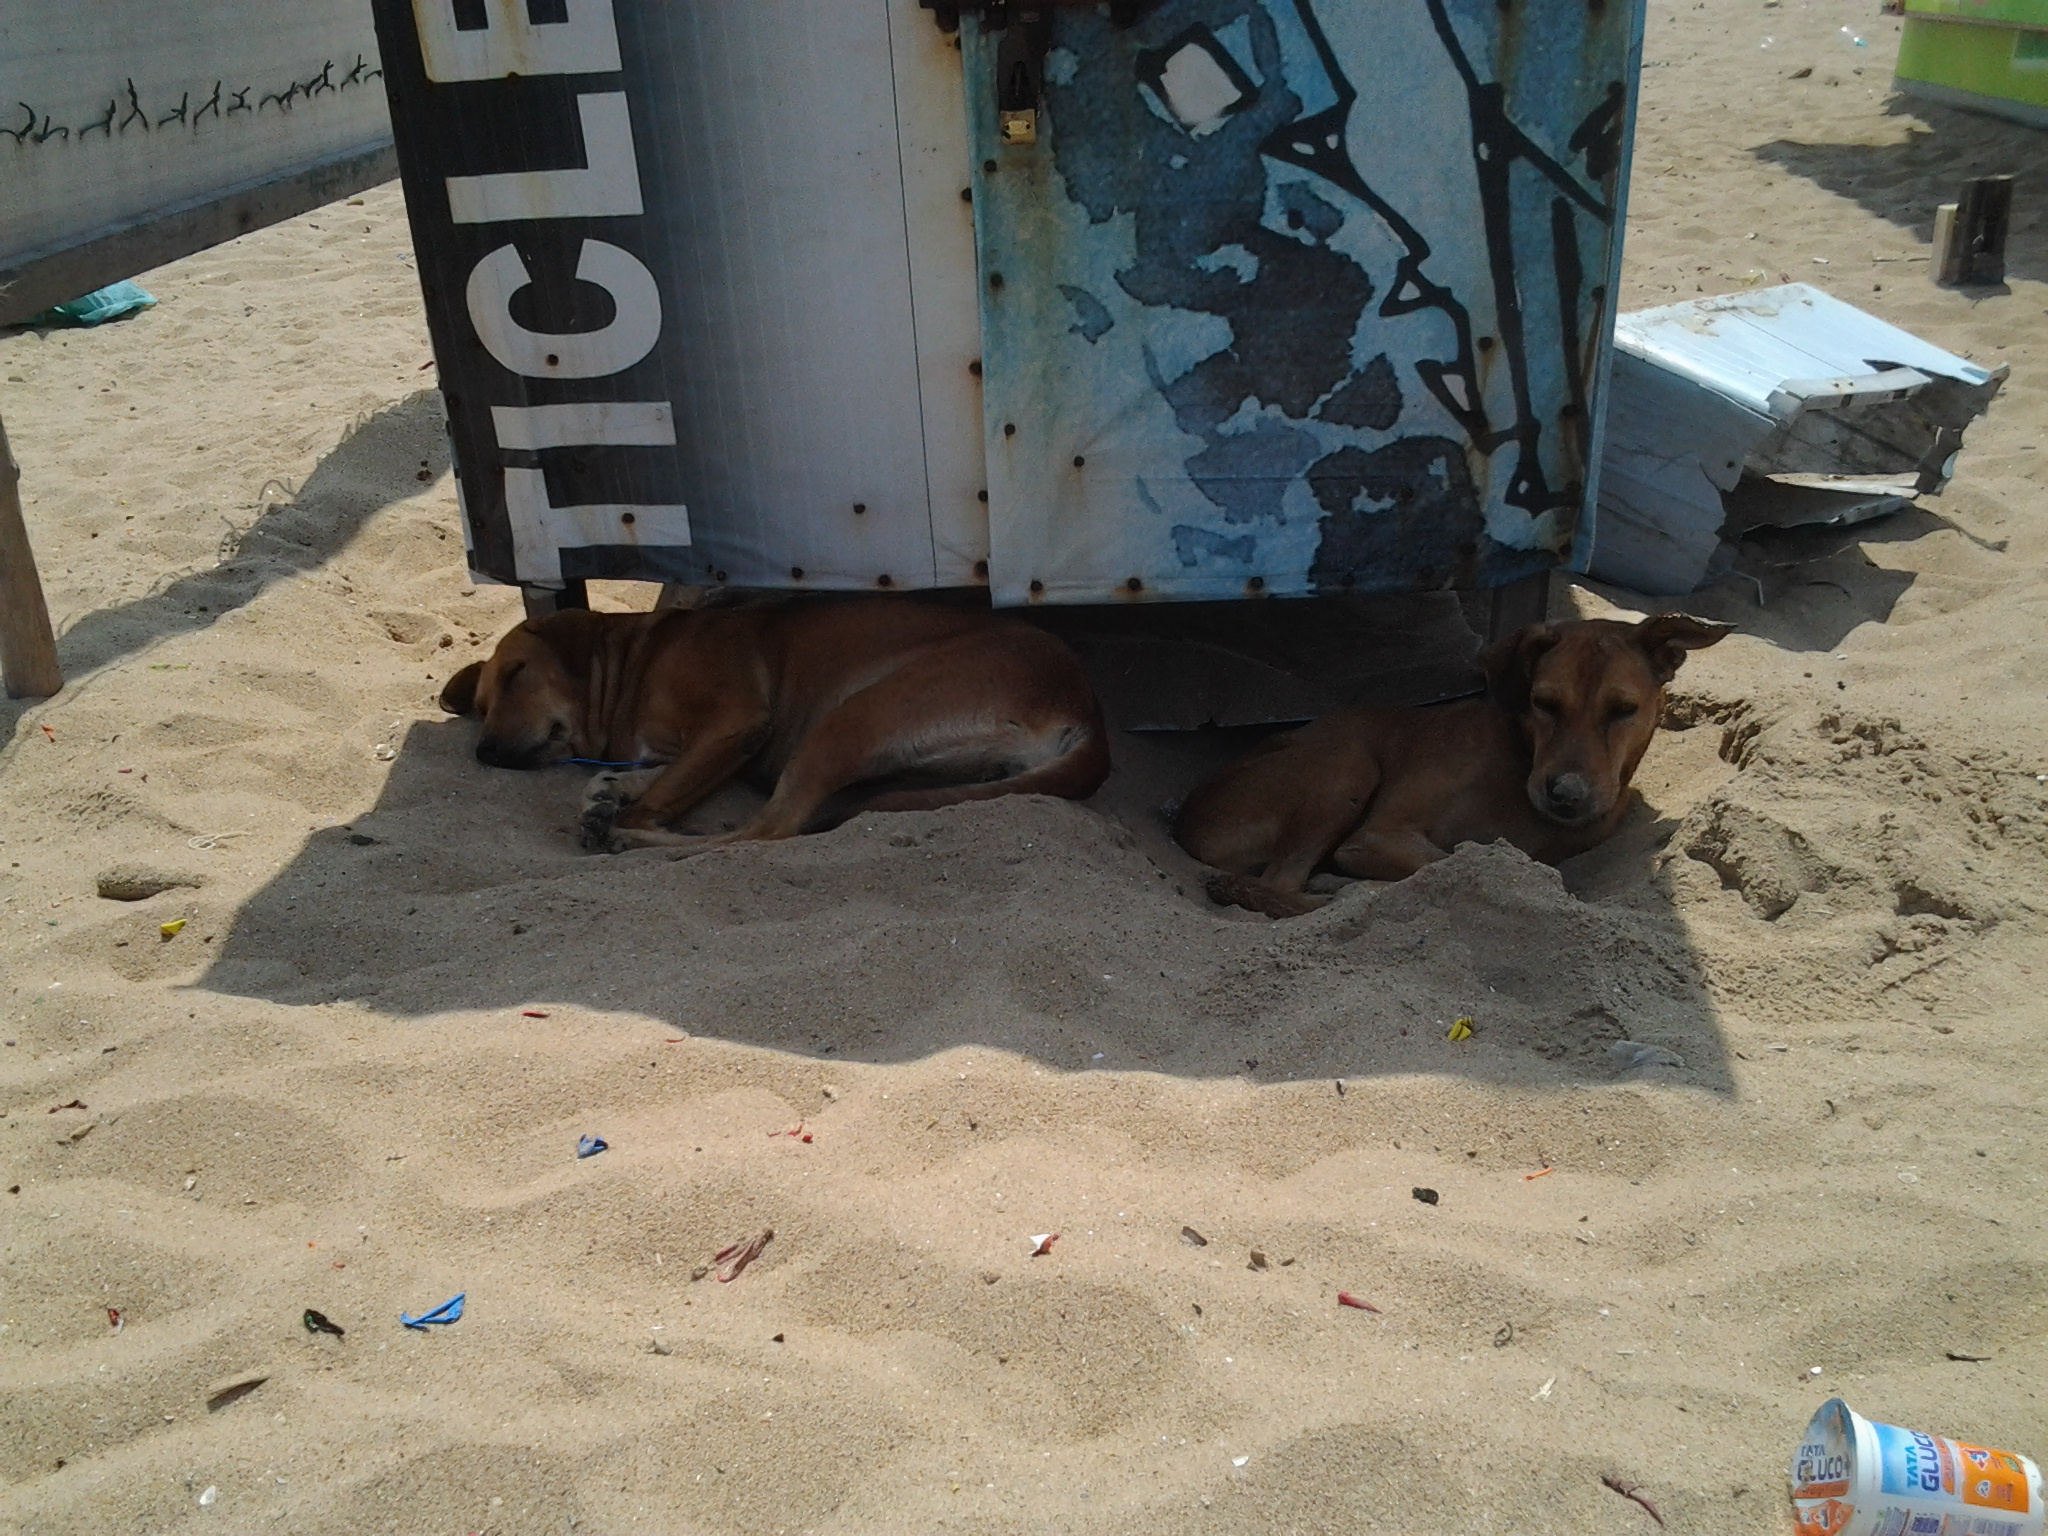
(1851, 1477)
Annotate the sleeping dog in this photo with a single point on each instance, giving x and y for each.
(1543, 759)
(876, 704)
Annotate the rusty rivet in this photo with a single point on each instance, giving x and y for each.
(981, 569)
(995, 279)
(796, 573)
(1256, 584)
(967, 194)
(1079, 461)
(981, 495)
(990, 167)
(1486, 343)
(884, 581)
(975, 367)
(859, 507)
(626, 517)
(1134, 585)
(1009, 429)
(554, 361)
(1037, 586)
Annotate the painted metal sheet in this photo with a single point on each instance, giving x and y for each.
(1300, 296)
(700, 279)
(122, 112)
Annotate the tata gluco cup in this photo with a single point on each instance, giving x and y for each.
(1851, 1477)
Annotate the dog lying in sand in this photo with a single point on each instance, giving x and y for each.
(879, 704)
(1544, 760)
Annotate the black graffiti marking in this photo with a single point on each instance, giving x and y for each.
(1598, 136)
(359, 74)
(105, 123)
(135, 112)
(211, 104)
(239, 102)
(324, 81)
(284, 101)
(177, 113)
(18, 134)
(44, 134)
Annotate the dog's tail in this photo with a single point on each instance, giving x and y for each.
(1257, 896)
(1076, 771)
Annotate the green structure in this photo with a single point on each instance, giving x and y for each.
(1984, 55)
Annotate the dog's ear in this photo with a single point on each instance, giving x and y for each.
(1666, 637)
(1509, 662)
(458, 697)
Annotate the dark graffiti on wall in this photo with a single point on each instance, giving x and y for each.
(1409, 271)
(124, 110)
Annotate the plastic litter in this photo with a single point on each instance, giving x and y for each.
(1635, 1055)
(449, 1311)
(1461, 1030)
(590, 1146)
(1851, 1477)
(737, 1256)
(1539, 1173)
(1346, 1299)
(98, 307)
(533, 1013)
(1426, 1196)
(319, 1322)
(207, 1498)
(114, 1318)
(1193, 1238)
(173, 928)
(1041, 1245)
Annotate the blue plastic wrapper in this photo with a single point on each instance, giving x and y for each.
(111, 303)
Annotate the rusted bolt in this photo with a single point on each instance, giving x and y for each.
(1134, 585)
(1037, 587)
(1079, 461)
(995, 279)
(1009, 429)
(975, 367)
(553, 361)
(989, 167)
(967, 194)
(1486, 343)
(626, 517)
(981, 495)
(859, 507)
(981, 569)
(885, 581)
(796, 573)
(1256, 584)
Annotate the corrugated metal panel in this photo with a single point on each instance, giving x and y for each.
(1297, 296)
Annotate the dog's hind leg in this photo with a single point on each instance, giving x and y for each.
(1257, 896)
(1376, 855)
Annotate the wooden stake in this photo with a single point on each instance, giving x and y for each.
(28, 649)
(1969, 234)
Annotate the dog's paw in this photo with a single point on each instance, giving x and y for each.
(1256, 896)
(602, 802)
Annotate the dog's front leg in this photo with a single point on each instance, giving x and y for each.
(708, 762)
(1369, 854)
(606, 796)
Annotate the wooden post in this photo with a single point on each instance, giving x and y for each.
(28, 650)
(1969, 234)
(543, 601)
(1518, 605)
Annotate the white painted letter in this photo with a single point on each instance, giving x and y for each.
(607, 186)
(541, 530)
(573, 354)
(586, 44)
(604, 423)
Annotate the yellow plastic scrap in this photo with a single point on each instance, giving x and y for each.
(173, 928)
(1462, 1030)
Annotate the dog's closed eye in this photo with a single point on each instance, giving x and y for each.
(1616, 713)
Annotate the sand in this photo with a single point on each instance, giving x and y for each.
(354, 1080)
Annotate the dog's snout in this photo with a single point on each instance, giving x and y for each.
(1569, 795)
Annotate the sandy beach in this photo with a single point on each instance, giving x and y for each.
(355, 1079)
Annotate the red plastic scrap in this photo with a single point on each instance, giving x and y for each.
(1346, 1299)
(74, 1104)
(737, 1256)
(49, 733)
(1042, 1244)
(114, 1318)
(533, 1013)
(1630, 1491)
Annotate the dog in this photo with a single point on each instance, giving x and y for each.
(877, 704)
(1543, 759)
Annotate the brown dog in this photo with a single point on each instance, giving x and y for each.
(1543, 760)
(872, 705)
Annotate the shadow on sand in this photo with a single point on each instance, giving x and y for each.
(376, 464)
